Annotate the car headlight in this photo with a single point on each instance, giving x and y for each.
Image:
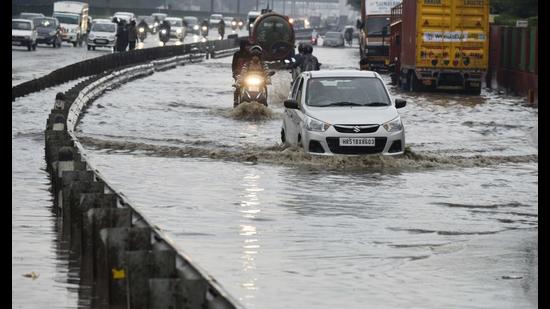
(233, 23)
(53, 32)
(394, 125)
(240, 23)
(111, 37)
(253, 80)
(91, 36)
(313, 124)
(178, 30)
(196, 27)
(141, 30)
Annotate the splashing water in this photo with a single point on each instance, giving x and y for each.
(251, 111)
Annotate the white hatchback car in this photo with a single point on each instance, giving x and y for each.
(102, 35)
(343, 112)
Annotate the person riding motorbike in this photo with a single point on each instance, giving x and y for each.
(348, 35)
(298, 59)
(204, 28)
(165, 25)
(240, 57)
(221, 28)
(143, 33)
(255, 65)
(310, 62)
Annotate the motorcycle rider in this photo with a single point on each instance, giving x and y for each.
(221, 28)
(255, 64)
(240, 57)
(204, 24)
(298, 59)
(132, 35)
(165, 25)
(310, 62)
(143, 24)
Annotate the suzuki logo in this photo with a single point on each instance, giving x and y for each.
(356, 129)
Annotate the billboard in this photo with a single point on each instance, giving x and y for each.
(376, 7)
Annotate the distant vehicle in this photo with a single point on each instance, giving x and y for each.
(333, 39)
(127, 16)
(315, 21)
(251, 18)
(155, 26)
(102, 35)
(48, 31)
(161, 16)
(23, 33)
(228, 20)
(30, 16)
(73, 17)
(177, 30)
(343, 112)
(192, 24)
(102, 20)
(215, 20)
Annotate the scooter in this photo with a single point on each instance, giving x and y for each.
(253, 87)
(142, 34)
(204, 31)
(164, 36)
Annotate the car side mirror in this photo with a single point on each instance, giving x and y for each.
(399, 103)
(291, 103)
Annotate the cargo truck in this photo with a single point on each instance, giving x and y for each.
(73, 18)
(440, 44)
(373, 32)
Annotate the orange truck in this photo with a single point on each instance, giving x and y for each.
(440, 44)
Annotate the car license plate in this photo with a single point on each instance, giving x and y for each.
(101, 41)
(357, 141)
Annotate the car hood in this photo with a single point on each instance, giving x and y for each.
(353, 114)
(102, 33)
(20, 32)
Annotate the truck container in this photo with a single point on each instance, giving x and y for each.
(442, 44)
(73, 18)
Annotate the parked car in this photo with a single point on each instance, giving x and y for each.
(214, 20)
(102, 35)
(192, 24)
(48, 31)
(23, 33)
(343, 112)
(177, 30)
(29, 16)
(333, 39)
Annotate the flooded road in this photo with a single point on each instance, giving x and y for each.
(451, 224)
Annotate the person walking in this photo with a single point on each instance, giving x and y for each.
(132, 35)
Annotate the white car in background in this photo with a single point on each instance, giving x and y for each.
(177, 29)
(23, 33)
(127, 16)
(343, 112)
(102, 34)
(215, 20)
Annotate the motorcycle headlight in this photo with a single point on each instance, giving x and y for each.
(155, 24)
(204, 28)
(313, 124)
(233, 23)
(163, 31)
(394, 125)
(253, 80)
(196, 27)
(178, 30)
(141, 30)
(240, 23)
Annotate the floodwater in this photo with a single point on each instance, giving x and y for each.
(451, 224)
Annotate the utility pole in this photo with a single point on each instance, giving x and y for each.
(257, 5)
(211, 7)
(238, 7)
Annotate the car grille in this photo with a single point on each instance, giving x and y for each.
(334, 146)
(356, 128)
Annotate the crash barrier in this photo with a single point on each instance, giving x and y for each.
(108, 62)
(126, 259)
(513, 60)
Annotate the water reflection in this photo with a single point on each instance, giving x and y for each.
(249, 209)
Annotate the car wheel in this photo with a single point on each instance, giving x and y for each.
(34, 46)
(29, 47)
(89, 47)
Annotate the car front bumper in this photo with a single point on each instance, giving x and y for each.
(327, 143)
(101, 42)
(20, 41)
(46, 39)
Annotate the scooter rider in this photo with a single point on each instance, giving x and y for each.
(240, 58)
(310, 62)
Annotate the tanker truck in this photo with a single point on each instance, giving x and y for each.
(440, 44)
(275, 34)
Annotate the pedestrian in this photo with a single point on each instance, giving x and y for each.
(125, 36)
(119, 35)
(132, 35)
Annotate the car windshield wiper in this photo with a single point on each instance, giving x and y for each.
(344, 104)
(376, 104)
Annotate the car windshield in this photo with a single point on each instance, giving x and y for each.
(21, 25)
(346, 91)
(175, 23)
(191, 20)
(217, 17)
(104, 27)
(44, 22)
(67, 19)
(333, 35)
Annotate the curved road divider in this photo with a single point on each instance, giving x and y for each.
(126, 259)
(114, 61)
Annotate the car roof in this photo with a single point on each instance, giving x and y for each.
(173, 18)
(20, 19)
(341, 73)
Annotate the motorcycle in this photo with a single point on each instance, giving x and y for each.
(314, 40)
(142, 34)
(164, 36)
(253, 87)
(204, 31)
(155, 27)
(240, 23)
(234, 25)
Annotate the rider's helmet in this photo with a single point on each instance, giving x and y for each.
(308, 49)
(256, 50)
